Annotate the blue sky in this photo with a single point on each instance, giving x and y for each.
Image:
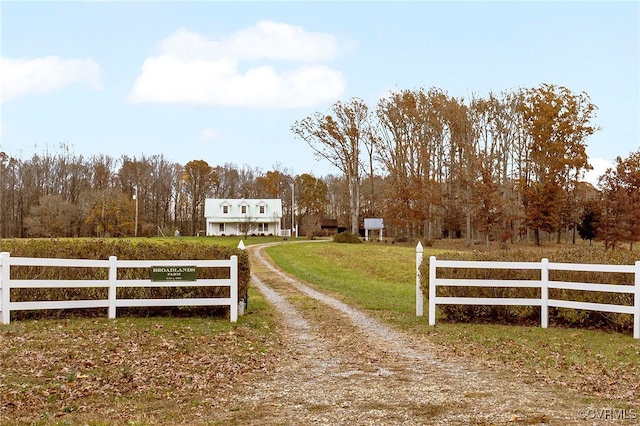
(224, 81)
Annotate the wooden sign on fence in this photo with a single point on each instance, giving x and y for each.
(173, 273)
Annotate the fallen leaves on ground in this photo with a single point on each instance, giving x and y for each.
(115, 368)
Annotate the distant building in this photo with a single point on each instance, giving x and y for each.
(240, 216)
(328, 226)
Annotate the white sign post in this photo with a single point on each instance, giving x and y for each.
(373, 224)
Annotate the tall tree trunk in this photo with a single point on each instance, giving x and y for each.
(354, 202)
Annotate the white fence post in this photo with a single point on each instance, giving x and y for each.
(113, 281)
(636, 303)
(432, 290)
(5, 286)
(419, 294)
(544, 293)
(234, 289)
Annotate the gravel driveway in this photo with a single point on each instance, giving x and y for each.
(345, 367)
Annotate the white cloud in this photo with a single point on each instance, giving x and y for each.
(275, 40)
(599, 167)
(265, 40)
(208, 134)
(192, 70)
(22, 77)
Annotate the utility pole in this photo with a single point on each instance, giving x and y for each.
(293, 203)
(135, 197)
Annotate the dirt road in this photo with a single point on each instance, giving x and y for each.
(345, 367)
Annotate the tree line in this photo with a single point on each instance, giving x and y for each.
(62, 194)
(503, 167)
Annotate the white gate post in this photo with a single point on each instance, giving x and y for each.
(432, 290)
(234, 289)
(544, 293)
(113, 278)
(636, 303)
(5, 286)
(419, 294)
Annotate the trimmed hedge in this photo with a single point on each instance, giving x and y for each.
(531, 314)
(124, 250)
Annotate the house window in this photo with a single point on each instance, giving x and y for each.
(221, 227)
(263, 227)
(243, 209)
(225, 209)
(261, 209)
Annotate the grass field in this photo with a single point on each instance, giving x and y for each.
(228, 241)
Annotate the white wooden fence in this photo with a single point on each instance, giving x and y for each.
(544, 266)
(112, 283)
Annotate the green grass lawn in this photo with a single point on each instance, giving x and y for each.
(372, 276)
(227, 241)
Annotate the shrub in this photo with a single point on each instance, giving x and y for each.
(528, 314)
(347, 237)
(124, 250)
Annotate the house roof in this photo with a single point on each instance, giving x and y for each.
(328, 223)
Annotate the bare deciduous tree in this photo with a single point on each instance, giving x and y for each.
(199, 178)
(52, 217)
(339, 139)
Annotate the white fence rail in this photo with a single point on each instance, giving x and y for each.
(544, 266)
(112, 283)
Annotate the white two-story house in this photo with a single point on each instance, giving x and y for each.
(242, 216)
